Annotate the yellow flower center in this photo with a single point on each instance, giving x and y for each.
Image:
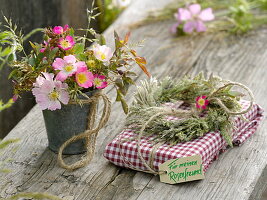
(201, 102)
(103, 56)
(53, 96)
(68, 68)
(65, 43)
(81, 78)
(97, 82)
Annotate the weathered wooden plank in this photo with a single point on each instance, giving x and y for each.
(238, 174)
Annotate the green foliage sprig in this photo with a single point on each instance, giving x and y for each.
(151, 96)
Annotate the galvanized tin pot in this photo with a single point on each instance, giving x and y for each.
(64, 123)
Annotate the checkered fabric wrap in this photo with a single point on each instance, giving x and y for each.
(122, 151)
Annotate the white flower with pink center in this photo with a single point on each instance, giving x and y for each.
(49, 92)
(99, 81)
(67, 66)
(102, 53)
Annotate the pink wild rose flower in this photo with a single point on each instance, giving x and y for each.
(49, 92)
(60, 30)
(66, 43)
(194, 18)
(67, 66)
(102, 52)
(99, 81)
(202, 102)
(84, 78)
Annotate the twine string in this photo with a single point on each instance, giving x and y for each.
(90, 134)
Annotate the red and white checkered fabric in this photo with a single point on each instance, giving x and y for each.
(124, 153)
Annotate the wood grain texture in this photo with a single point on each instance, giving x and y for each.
(239, 173)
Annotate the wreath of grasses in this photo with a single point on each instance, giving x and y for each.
(148, 104)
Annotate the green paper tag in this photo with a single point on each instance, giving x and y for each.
(182, 170)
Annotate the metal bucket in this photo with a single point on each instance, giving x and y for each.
(63, 124)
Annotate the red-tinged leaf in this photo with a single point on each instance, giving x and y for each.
(141, 60)
(134, 53)
(143, 67)
(126, 38)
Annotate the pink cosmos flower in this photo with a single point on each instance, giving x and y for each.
(84, 78)
(99, 81)
(66, 43)
(49, 92)
(102, 53)
(67, 66)
(194, 18)
(202, 102)
(60, 30)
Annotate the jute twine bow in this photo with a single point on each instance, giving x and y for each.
(182, 114)
(90, 134)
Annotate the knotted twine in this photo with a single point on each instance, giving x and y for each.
(90, 134)
(180, 114)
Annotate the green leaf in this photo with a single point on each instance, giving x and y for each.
(81, 57)
(12, 73)
(117, 40)
(53, 53)
(119, 83)
(235, 94)
(4, 35)
(6, 52)
(130, 73)
(11, 58)
(102, 40)
(78, 48)
(71, 31)
(227, 137)
(31, 61)
(119, 95)
(124, 106)
(39, 58)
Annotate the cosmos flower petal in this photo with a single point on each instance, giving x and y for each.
(64, 97)
(81, 66)
(54, 105)
(70, 59)
(206, 15)
(58, 63)
(189, 26)
(200, 26)
(194, 9)
(61, 76)
(184, 14)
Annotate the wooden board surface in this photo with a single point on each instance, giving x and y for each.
(239, 173)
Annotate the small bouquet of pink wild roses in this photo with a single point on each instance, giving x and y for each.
(63, 68)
